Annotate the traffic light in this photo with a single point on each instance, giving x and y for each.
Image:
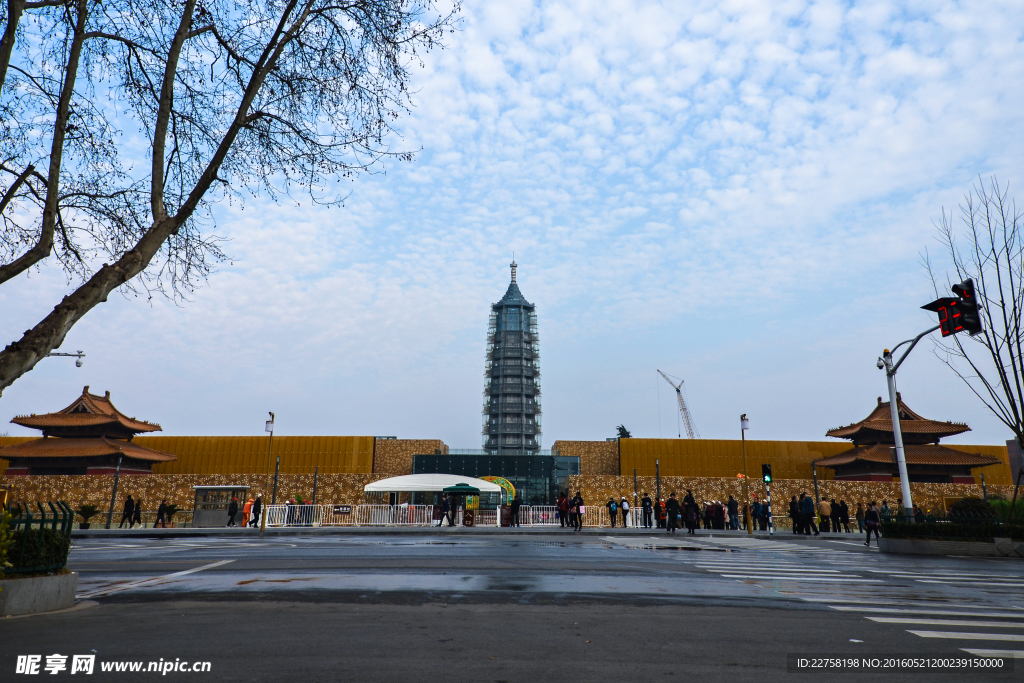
(959, 313)
(968, 306)
(766, 473)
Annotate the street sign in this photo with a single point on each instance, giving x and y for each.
(343, 509)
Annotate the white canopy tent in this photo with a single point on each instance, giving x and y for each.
(428, 482)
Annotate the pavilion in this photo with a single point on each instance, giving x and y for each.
(90, 436)
(871, 458)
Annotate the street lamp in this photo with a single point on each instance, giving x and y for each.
(744, 426)
(270, 452)
(79, 355)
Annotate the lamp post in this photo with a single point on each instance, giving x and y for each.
(113, 493)
(744, 426)
(270, 454)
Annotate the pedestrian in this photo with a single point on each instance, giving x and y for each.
(860, 517)
(624, 507)
(129, 512)
(137, 515)
(257, 511)
(844, 515)
(835, 516)
(746, 516)
(247, 512)
(232, 512)
(674, 513)
(755, 513)
(794, 514)
(446, 509)
(734, 516)
(659, 513)
(563, 509)
(517, 503)
(613, 510)
(690, 510)
(766, 515)
(885, 512)
(719, 516)
(807, 514)
(647, 511)
(581, 509)
(872, 521)
(161, 513)
(825, 512)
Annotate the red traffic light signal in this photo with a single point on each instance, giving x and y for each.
(959, 313)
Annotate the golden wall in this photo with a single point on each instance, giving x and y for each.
(394, 456)
(596, 457)
(789, 459)
(251, 455)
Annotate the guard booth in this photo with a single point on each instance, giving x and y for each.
(211, 507)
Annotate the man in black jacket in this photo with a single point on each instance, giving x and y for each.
(516, 504)
(673, 512)
(129, 511)
(257, 511)
(232, 512)
(734, 513)
(446, 511)
(647, 509)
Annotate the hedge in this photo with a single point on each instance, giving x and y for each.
(44, 550)
(979, 531)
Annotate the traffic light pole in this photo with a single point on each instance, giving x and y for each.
(897, 433)
(768, 496)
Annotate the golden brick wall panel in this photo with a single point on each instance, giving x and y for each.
(394, 456)
(245, 455)
(596, 457)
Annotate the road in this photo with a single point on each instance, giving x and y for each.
(543, 607)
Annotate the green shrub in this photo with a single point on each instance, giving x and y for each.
(42, 549)
(6, 540)
(978, 532)
(87, 512)
(1002, 508)
(972, 507)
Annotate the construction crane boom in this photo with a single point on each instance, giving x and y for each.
(684, 412)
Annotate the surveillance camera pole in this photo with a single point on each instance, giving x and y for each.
(897, 433)
(79, 355)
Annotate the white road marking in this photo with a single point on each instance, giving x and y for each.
(946, 622)
(939, 612)
(1009, 654)
(800, 578)
(148, 582)
(955, 635)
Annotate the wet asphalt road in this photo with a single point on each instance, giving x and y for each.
(433, 606)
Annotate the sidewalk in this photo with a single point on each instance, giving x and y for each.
(235, 532)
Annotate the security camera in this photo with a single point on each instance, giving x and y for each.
(880, 364)
(78, 363)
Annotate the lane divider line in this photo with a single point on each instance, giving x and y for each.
(148, 582)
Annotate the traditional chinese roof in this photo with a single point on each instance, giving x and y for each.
(82, 448)
(877, 427)
(89, 415)
(916, 455)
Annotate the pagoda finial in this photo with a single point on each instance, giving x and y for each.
(513, 267)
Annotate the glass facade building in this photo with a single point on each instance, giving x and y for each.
(537, 477)
(511, 423)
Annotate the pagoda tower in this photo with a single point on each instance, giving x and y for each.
(512, 386)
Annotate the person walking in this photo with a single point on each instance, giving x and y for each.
(161, 514)
(446, 509)
(257, 511)
(129, 512)
(755, 513)
(624, 507)
(613, 510)
(674, 513)
(794, 514)
(690, 511)
(835, 516)
(517, 503)
(563, 509)
(247, 512)
(765, 515)
(581, 509)
(734, 513)
(844, 515)
(137, 515)
(885, 512)
(825, 512)
(647, 511)
(232, 512)
(872, 521)
(860, 517)
(659, 513)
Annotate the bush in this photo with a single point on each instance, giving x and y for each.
(978, 532)
(972, 507)
(6, 540)
(44, 549)
(87, 512)
(1002, 508)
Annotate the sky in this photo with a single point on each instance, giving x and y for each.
(737, 193)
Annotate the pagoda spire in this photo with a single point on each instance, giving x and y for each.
(513, 267)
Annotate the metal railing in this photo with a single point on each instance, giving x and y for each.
(40, 551)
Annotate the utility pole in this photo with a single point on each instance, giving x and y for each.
(744, 426)
(657, 479)
(270, 452)
(886, 362)
(113, 494)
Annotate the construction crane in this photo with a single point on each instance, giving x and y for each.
(684, 412)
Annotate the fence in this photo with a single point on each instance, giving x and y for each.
(40, 551)
(357, 515)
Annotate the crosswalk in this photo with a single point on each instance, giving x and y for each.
(977, 611)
